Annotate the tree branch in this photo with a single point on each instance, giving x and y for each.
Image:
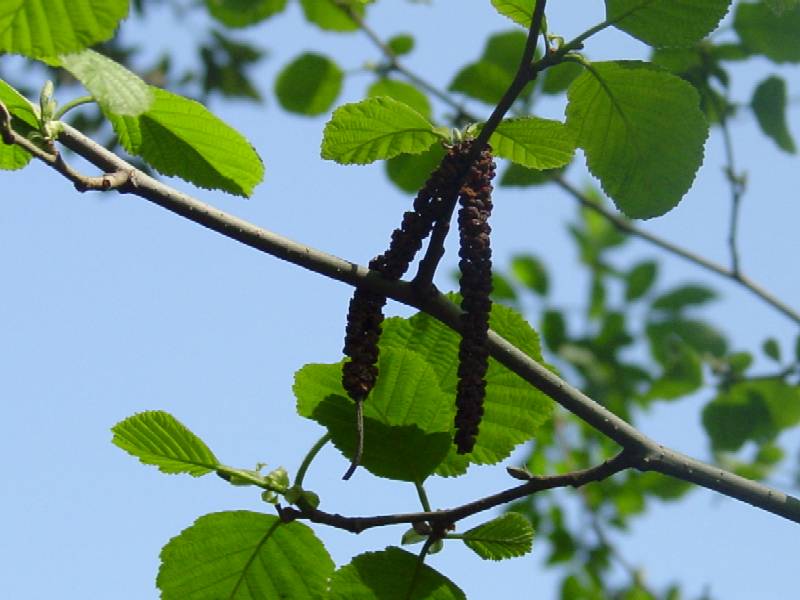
(443, 518)
(650, 455)
(624, 225)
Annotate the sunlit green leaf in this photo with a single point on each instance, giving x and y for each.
(519, 11)
(375, 129)
(407, 417)
(47, 28)
(534, 143)
(506, 536)
(309, 85)
(403, 92)
(24, 121)
(178, 136)
(769, 106)
(157, 438)
(513, 410)
(116, 89)
(244, 556)
(667, 22)
(642, 132)
(391, 574)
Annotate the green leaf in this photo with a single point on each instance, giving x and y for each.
(488, 78)
(769, 107)
(797, 349)
(178, 136)
(374, 129)
(698, 335)
(513, 410)
(557, 78)
(407, 417)
(772, 349)
(642, 131)
(24, 121)
(519, 11)
(667, 22)
(409, 172)
(683, 297)
(116, 89)
(243, 13)
(781, 6)
(518, 176)
(47, 28)
(387, 575)
(534, 143)
(401, 44)
(157, 438)
(640, 279)
(325, 14)
(531, 272)
(502, 290)
(763, 31)
(755, 410)
(482, 80)
(403, 92)
(506, 536)
(244, 555)
(554, 329)
(309, 85)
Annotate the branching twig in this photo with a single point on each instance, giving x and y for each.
(650, 455)
(443, 518)
(624, 225)
(82, 183)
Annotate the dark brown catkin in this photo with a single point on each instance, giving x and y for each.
(476, 287)
(365, 313)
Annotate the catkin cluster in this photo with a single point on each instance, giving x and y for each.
(476, 286)
(366, 307)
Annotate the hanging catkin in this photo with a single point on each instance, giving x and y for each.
(476, 287)
(365, 313)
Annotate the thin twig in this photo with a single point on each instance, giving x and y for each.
(624, 225)
(652, 456)
(441, 519)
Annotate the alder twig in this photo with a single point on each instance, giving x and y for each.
(624, 225)
(439, 519)
(650, 456)
(53, 158)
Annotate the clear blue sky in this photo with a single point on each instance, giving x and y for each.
(112, 306)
